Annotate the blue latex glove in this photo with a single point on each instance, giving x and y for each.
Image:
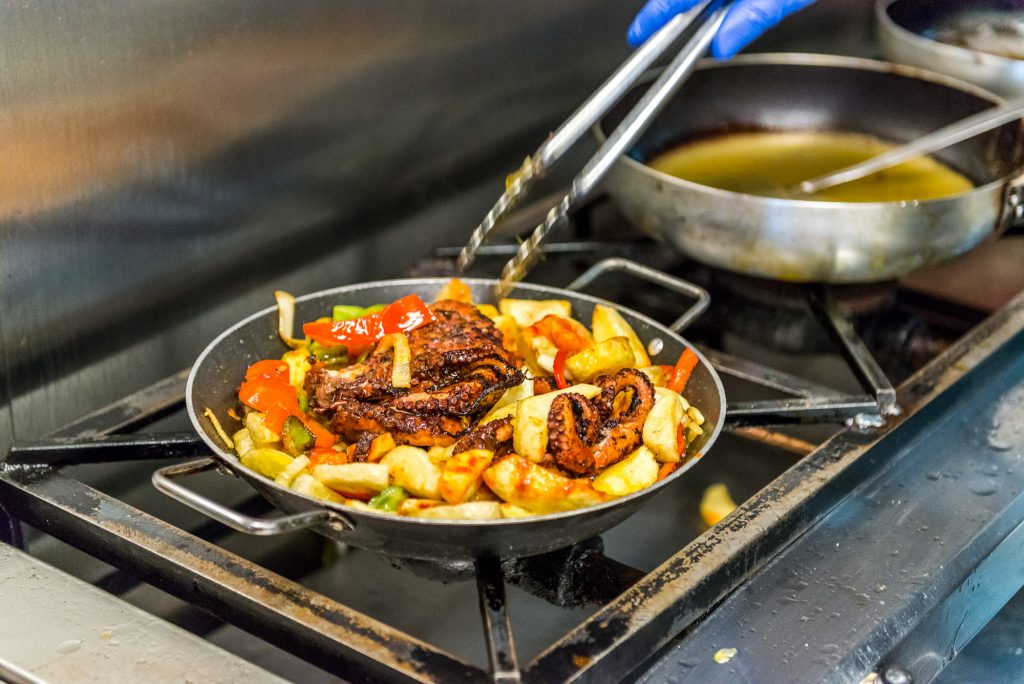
(745, 21)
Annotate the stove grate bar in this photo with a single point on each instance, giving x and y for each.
(490, 584)
(282, 612)
(861, 361)
(131, 412)
(771, 378)
(59, 451)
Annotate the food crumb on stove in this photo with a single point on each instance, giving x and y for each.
(716, 504)
(580, 660)
(724, 655)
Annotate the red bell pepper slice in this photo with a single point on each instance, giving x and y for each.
(276, 400)
(402, 315)
(558, 368)
(322, 456)
(681, 372)
(666, 469)
(270, 369)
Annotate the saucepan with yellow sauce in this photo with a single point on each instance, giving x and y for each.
(713, 176)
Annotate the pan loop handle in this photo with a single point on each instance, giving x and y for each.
(163, 479)
(651, 275)
(1014, 204)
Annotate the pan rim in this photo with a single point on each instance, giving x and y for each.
(231, 460)
(829, 61)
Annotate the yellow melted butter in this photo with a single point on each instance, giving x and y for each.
(772, 163)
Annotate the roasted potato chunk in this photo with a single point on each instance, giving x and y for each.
(631, 474)
(380, 446)
(354, 480)
(412, 469)
(413, 507)
(474, 510)
(715, 504)
(526, 312)
(607, 323)
(266, 462)
(604, 358)
(463, 473)
(304, 483)
(261, 435)
(661, 429)
(538, 489)
(291, 471)
(243, 442)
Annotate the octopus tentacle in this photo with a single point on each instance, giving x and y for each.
(583, 441)
(351, 418)
(572, 428)
(491, 436)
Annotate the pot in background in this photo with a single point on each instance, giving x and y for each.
(907, 30)
(817, 241)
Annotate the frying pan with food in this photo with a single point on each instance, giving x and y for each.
(215, 377)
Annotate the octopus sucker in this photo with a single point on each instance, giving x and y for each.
(585, 437)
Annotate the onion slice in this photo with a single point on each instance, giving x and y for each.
(401, 371)
(286, 319)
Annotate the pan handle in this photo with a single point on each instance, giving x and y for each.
(163, 479)
(651, 275)
(1014, 203)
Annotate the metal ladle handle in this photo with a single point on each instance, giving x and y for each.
(932, 142)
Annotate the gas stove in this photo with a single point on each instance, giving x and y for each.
(875, 445)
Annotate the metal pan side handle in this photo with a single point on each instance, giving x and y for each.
(163, 479)
(654, 276)
(1013, 204)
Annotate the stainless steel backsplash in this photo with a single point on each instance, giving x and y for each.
(166, 165)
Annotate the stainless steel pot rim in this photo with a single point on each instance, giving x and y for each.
(927, 44)
(231, 459)
(810, 59)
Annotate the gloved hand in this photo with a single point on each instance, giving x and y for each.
(745, 21)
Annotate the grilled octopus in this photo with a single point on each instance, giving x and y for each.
(459, 368)
(585, 437)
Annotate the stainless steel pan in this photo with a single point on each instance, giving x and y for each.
(812, 241)
(217, 373)
(906, 30)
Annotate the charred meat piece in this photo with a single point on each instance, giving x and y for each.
(491, 436)
(459, 369)
(351, 419)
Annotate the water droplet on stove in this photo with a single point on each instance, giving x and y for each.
(933, 475)
(881, 588)
(69, 646)
(998, 443)
(895, 675)
(985, 488)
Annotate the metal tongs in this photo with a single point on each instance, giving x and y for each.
(707, 16)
